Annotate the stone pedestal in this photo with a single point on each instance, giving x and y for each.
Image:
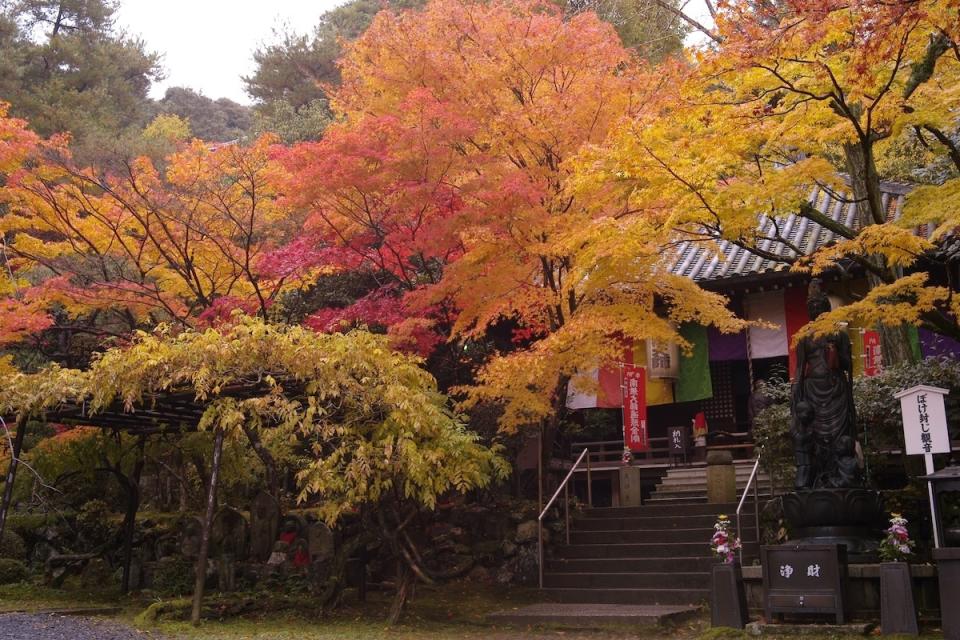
(630, 487)
(851, 517)
(948, 570)
(728, 599)
(721, 478)
(898, 615)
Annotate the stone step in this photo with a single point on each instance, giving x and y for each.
(679, 472)
(693, 492)
(640, 536)
(644, 550)
(667, 580)
(667, 510)
(701, 472)
(692, 500)
(677, 500)
(702, 486)
(587, 615)
(633, 550)
(627, 565)
(702, 482)
(682, 491)
(690, 493)
(665, 523)
(691, 597)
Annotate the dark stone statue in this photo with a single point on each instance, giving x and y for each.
(824, 419)
(803, 443)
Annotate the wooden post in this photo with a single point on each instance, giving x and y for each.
(589, 483)
(11, 475)
(201, 567)
(540, 506)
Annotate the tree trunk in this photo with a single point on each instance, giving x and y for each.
(551, 425)
(865, 183)
(201, 568)
(182, 484)
(269, 464)
(130, 518)
(405, 580)
(11, 475)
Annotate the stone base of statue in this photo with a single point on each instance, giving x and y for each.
(852, 517)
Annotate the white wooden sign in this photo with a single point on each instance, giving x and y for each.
(925, 431)
(924, 420)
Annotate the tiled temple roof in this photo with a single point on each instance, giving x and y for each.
(698, 260)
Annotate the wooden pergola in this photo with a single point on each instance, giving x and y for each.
(173, 412)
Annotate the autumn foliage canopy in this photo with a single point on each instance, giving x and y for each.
(502, 168)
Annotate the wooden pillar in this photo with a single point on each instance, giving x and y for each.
(11, 475)
(201, 567)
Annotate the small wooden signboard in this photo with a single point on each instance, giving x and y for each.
(677, 442)
(807, 578)
(925, 432)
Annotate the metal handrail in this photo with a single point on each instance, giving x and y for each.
(566, 508)
(756, 502)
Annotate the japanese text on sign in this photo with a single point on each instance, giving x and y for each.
(786, 570)
(635, 409)
(871, 353)
(924, 420)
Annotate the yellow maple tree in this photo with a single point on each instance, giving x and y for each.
(787, 97)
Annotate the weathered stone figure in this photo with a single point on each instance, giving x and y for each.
(802, 433)
(824, 386)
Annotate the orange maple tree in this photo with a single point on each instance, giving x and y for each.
(187, 241)
(450, 171)
(21, 314)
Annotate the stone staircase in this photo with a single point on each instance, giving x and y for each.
(682, 485)
(656, 554)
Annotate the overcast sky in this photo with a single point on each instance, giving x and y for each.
(208, 45)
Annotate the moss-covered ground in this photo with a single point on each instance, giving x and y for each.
(451, 612)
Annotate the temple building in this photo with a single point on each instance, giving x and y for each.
(712, 388)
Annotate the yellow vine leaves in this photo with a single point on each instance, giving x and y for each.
(372, 417)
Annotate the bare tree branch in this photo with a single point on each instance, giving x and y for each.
(696, 24)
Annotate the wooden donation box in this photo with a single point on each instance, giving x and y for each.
(804, 579)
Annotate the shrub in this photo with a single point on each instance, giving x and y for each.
(12, 546)
(12, 571)
(173, 577)
(878, 412)
(93, 522)
(771, 430)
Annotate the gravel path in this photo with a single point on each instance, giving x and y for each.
(23, 626)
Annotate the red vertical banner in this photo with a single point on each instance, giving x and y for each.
(871, 353)
(635, 435)
(795, 315)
